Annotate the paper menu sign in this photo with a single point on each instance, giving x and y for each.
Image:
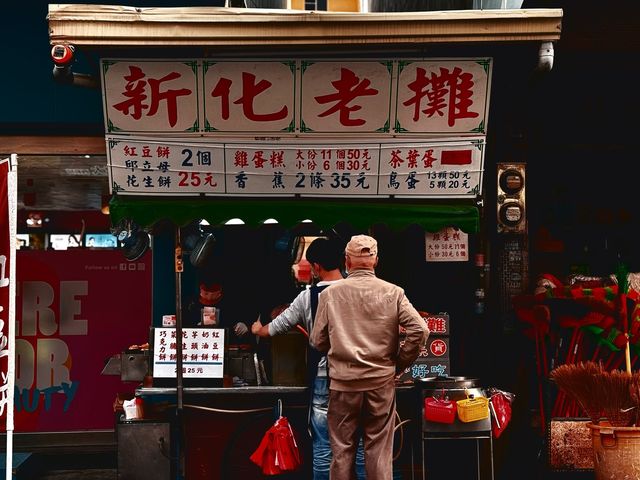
(202, 353)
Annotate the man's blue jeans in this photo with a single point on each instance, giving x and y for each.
(320, 434)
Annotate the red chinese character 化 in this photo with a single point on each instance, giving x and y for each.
(250, 90)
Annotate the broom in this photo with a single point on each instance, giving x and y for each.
(619, 407)
(634, 391)
(578, 380)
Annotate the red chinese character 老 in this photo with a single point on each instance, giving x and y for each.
(349, 87)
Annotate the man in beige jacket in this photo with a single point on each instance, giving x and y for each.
(357, 323)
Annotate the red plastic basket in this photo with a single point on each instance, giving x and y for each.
(439, 410)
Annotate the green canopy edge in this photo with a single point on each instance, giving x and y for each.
(324, 212)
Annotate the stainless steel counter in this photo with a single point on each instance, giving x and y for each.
(146, 391)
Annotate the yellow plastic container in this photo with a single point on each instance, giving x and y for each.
(473, 409)
(616, 452)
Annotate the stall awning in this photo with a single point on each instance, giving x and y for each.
(291, 211)
(123, 26)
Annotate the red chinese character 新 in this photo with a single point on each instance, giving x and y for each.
(135, 92)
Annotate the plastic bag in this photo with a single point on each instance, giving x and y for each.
(500, 406)
(278, 450)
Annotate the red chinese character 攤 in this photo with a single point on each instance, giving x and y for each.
(349, 87)
(135, 91)
(250, 90)
(448, 90)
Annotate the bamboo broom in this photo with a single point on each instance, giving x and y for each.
(619, 407)
(578, 380)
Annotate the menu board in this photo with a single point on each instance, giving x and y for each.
(428, 169)
(202, 353)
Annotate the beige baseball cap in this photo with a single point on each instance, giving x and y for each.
(362, 246)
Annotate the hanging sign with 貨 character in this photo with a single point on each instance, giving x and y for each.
(382, 98)
(202, 352)
(428, 169)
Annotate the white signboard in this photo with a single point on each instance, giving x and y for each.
(202, 352)
(442, 168)
(443, 96)
(306, 169)
(297, 98)
(249, 96)
(151, 96)
(153, 167)
(447, 245)
(434, 170)
(340, 97)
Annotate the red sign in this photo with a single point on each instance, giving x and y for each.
(74, 310)
(438, 347)
(5, 269)
(298, 97)
(438, 324)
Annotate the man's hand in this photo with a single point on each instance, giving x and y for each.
(240, 329)
(256, 326)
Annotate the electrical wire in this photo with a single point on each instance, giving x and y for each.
(253, 410)
(399, 424)
(401, 438)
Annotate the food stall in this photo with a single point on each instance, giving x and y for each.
(370, 186)
(295, 142)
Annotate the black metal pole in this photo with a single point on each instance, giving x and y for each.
(179, 408)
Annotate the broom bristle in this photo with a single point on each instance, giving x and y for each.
(578, 380)
(619, 406)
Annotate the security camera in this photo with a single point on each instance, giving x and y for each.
(62, 54)
(545, 57)
(63, 57)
